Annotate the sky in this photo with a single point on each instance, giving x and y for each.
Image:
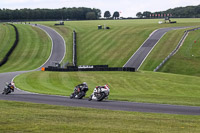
(127, 8)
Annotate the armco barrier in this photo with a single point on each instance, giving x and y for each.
(175, 50)
(71, 69)
(5, 59)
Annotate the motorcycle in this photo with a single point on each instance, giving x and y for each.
(79, 91)
(8, 88)
(100, 93)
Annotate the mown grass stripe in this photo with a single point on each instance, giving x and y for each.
(7, 38)
(32, 51)
(186, 60)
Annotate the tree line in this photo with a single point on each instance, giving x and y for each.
(80, 13)
(178, 12)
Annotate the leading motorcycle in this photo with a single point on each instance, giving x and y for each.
(100, 93)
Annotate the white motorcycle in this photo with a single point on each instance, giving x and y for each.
(100, 93)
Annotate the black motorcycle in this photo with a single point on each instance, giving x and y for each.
(8, 89)
(79, 91)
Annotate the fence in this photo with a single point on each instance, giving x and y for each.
(175, 50)
(92, 68)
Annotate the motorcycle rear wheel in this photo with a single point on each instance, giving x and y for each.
(101, 97)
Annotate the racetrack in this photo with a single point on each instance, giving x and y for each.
(57, 54)
(143, 51)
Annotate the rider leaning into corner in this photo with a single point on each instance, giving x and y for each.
(80, 91)
(80, 86)
(11, 86)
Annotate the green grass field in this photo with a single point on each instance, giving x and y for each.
(187, 59)
(29, 117)
(32, 51)
(7, 38)
(115, 46)
(142, 86)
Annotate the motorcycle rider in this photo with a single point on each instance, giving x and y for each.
(11, 87)
(80, 87)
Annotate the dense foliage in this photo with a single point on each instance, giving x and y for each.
(81, 13)
(179, 12)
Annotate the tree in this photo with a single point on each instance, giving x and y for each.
(107, 14)
(146, 14)
(139, 15)
(91, 16)
(116, 15)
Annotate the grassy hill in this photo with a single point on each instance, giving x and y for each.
(32, 51)
(7, 38)
(187, 59)
(141, 86)
(115, 46)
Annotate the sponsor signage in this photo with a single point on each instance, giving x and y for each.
(85, 67)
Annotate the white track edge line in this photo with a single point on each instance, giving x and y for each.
(140, 47)
(150, 51)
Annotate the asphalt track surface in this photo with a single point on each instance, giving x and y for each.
(57, 54)
(143, 51)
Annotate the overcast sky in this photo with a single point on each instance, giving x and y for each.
(128, 8)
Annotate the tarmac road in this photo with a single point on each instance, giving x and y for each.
(140, 55)
(57, 54)
(110, 105)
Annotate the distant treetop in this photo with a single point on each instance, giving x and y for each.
(80, 13)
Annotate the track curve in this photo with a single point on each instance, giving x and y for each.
(57, 54)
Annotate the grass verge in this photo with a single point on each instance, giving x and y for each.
(141, 86)
(32, 51)
(29, 117)
(187, 59)
(7, 38)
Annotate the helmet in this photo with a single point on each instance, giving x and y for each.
(12, 83)
(84, 83)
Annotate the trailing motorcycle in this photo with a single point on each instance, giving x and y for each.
(100, 93)
(8, 88)
(79, 91)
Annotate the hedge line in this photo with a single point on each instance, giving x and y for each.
(5, 59)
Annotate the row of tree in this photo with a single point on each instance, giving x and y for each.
(179, 12)
(107, 15)
(81, 13)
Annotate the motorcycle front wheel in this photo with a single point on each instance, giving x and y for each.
(81, 95)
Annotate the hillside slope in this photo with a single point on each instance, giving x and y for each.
(7, 38)
(32, 51)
